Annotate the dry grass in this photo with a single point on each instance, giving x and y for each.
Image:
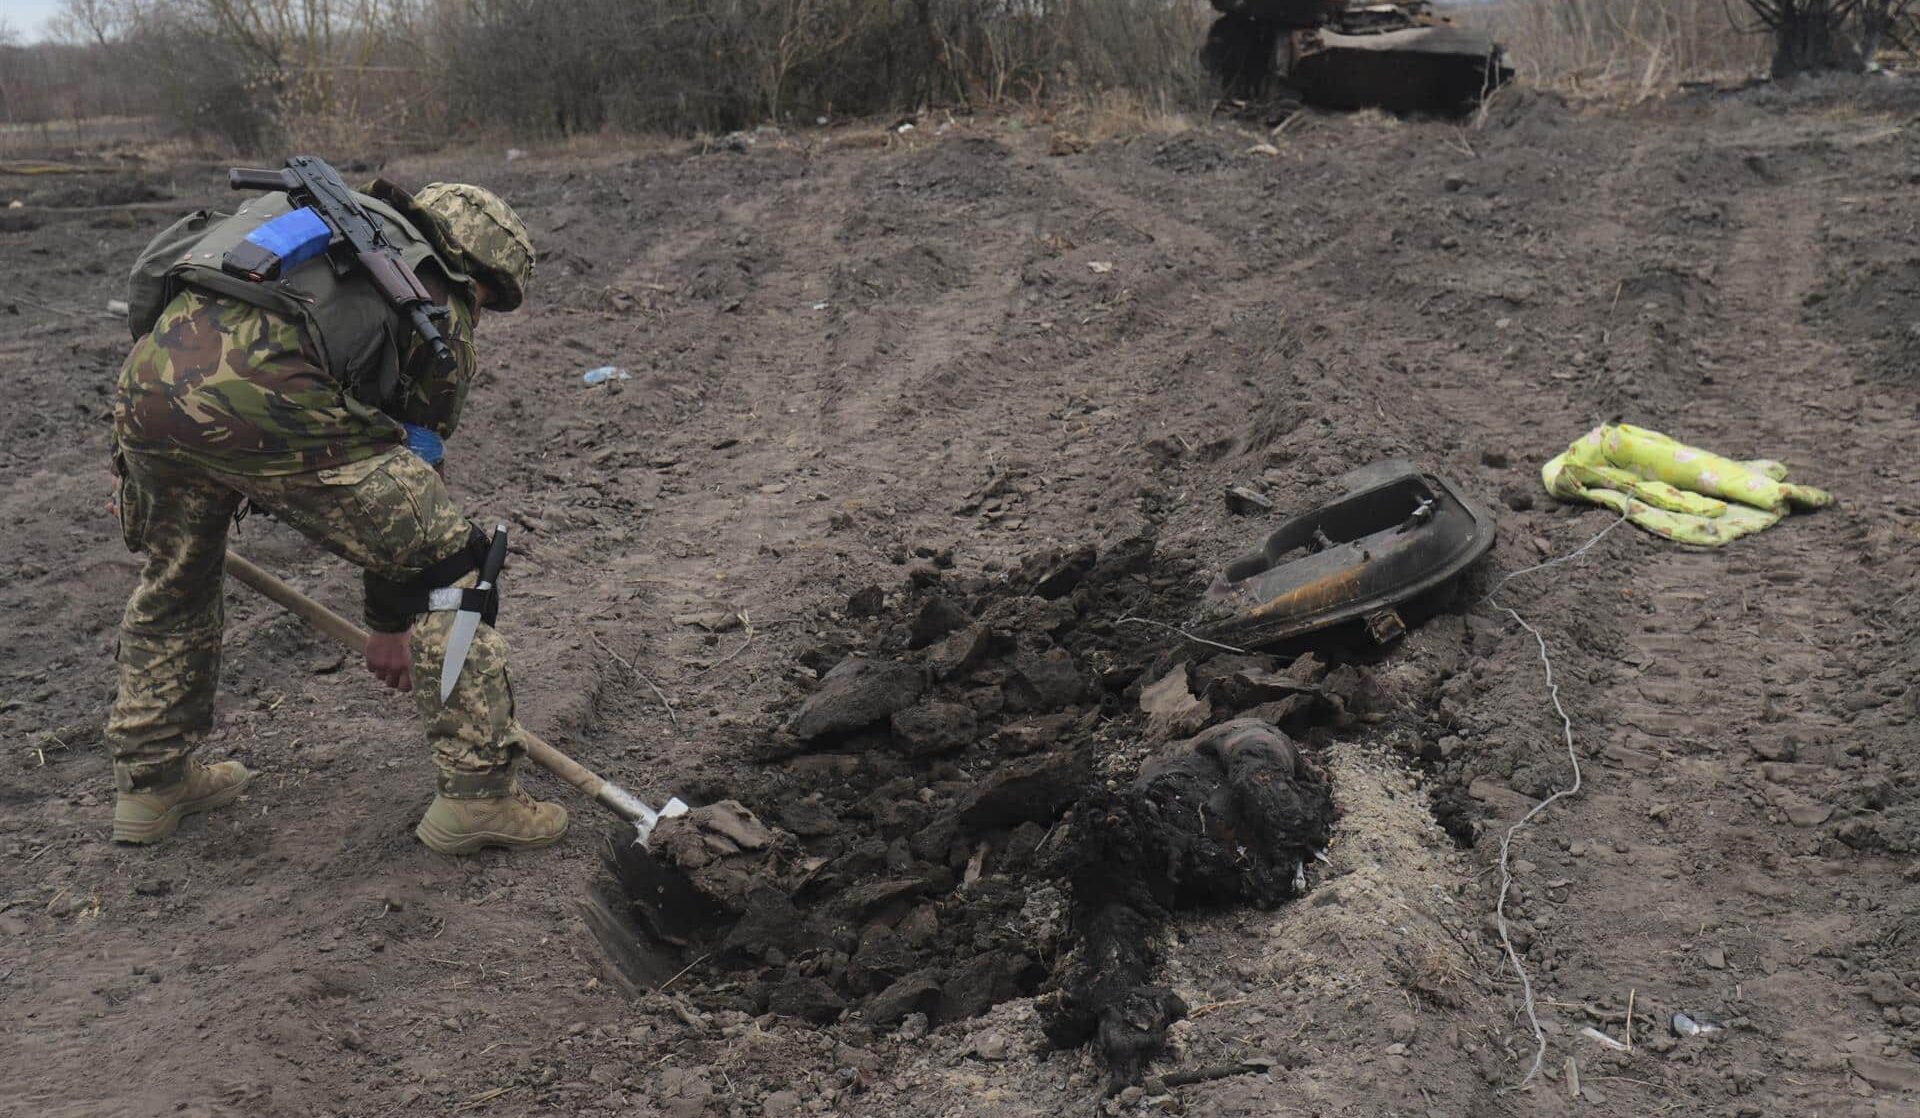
(1120, 113)
(1621, 49)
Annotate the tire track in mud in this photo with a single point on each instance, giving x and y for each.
(794, 481)
(1713, 754)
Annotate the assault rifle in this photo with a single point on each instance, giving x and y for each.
(315, 187)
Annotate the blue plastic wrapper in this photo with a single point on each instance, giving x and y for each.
(426, 444)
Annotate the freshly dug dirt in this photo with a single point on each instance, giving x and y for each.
(916, 363)
(950, 847)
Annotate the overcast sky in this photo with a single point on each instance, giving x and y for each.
(28, 17)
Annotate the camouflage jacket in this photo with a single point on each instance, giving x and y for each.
(234, 388)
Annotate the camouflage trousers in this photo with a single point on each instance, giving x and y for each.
(389, 515)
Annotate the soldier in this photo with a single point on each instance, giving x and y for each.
(292, 396)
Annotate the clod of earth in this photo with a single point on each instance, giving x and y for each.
(1055, 574)
(937, 618)
(855, 695)
(1172, 708)
(866, 602)
(1030, 790)
(935, 728)
(1045, 681)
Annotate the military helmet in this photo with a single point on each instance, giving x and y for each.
(485, 231)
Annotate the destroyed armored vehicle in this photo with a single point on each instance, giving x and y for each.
(1348, 54)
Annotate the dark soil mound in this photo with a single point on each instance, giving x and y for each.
(942, 836)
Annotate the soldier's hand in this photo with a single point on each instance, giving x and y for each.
(390, 658)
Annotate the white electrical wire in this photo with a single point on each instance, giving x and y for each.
(1506, 840)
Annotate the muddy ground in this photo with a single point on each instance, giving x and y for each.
(910, 361)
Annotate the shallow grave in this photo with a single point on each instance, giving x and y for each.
(1007, 795)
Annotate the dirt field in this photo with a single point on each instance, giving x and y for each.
(853, 352)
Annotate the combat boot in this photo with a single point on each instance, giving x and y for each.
(511, 819)
(148, 815)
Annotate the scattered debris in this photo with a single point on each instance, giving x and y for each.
(605, 373)
(1686, 1026)
(1171, 707)
(712, 620)
(1243, 501)
(1187, 1077)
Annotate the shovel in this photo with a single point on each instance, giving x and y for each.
(604, 792)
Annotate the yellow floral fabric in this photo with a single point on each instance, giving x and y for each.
(1674, 490)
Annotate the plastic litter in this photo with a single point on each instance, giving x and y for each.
(1592, 1033)
(606, 373)
(1684, 1025)
(426, 444)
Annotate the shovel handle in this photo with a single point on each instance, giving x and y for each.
(609, 795)
(298, 604)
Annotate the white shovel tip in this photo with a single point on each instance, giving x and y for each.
(643, 826)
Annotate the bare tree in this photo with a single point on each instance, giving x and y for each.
(1811, 35)
(97, 22)
(1885, 23)
(349, 76)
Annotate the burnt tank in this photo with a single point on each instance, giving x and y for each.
(1348, 54)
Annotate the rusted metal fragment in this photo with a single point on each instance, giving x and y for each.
(1431, 69)
(1394, 534)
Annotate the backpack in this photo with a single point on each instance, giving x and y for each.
(357, 335)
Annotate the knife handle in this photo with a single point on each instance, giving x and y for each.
(496, 556)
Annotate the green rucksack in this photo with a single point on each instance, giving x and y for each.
(355, 332)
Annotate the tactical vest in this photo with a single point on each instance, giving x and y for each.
(357, 335)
